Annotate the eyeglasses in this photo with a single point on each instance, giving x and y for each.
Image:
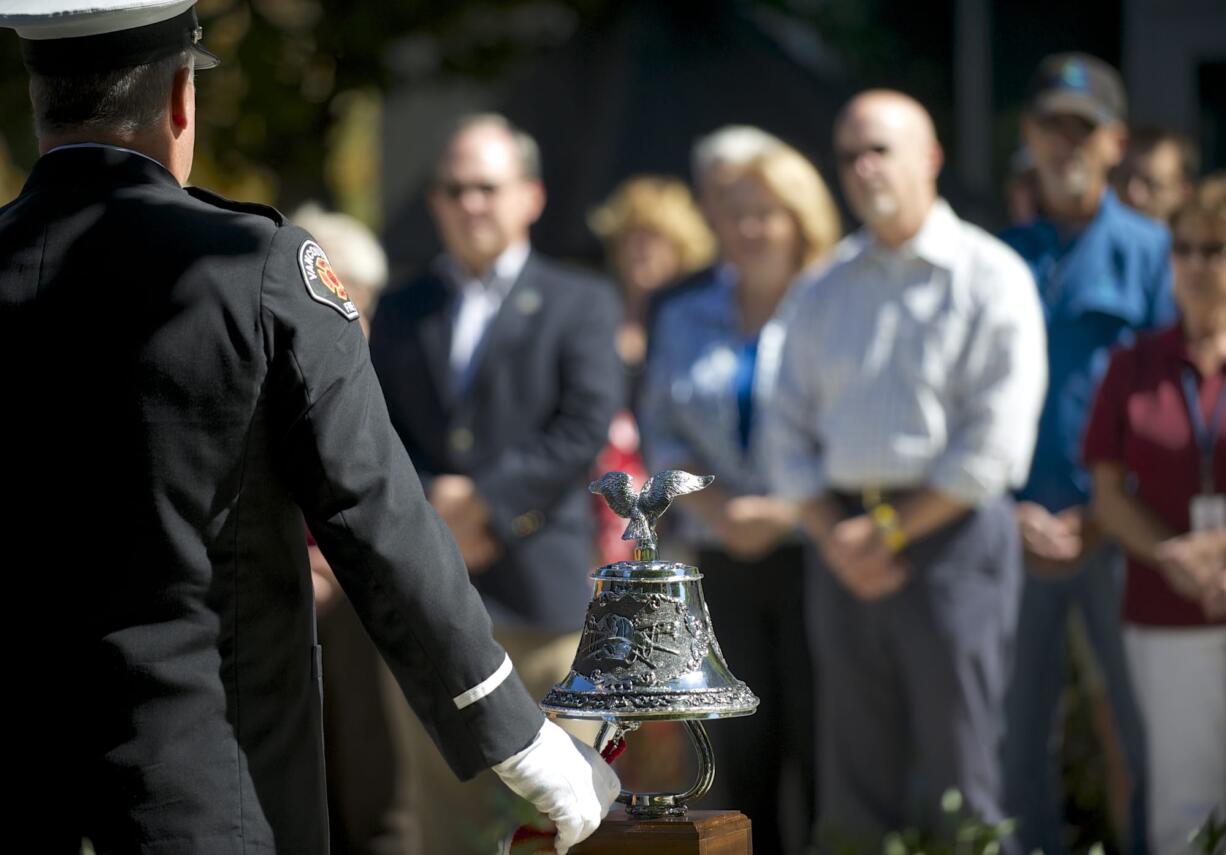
(847, 157)
(1152, 184)
(456, 190)
(1208, 252)
(1067, 124)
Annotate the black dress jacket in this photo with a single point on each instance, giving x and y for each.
(186, 389)
(527, 428)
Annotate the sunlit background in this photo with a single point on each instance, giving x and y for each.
(339, 100)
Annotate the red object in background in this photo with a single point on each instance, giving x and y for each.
(620, 454)
(614, 750)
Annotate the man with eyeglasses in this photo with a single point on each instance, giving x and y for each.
(1103, 274)
(501, 377)
(1158, 171)
(194, 383)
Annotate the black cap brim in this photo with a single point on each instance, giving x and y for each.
(204, 58)
(1062, 102)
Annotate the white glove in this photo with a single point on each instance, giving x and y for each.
(566, 780)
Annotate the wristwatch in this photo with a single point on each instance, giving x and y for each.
(885, 518)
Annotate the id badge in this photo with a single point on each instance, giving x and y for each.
(1207, 512)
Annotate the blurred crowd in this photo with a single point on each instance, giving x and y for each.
(941, 458)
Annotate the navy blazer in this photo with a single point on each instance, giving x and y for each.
(534, 416)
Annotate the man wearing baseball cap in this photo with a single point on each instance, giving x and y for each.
(192, 384)
(1103, 274)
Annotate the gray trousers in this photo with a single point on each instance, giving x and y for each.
(913, 685)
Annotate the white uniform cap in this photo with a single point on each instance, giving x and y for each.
(76, 36)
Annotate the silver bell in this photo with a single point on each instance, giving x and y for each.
(648, 651)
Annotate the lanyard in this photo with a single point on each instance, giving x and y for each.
(1206, 434)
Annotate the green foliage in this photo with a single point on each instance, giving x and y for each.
(292, 69)
(1210, 838)
(962, 833)
(292, 99)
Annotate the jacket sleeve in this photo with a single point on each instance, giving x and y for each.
(533, 474)
(348, 471)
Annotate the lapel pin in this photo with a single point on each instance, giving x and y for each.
(528, 301)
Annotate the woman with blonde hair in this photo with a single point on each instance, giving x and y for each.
(711, 371)
(653, 235)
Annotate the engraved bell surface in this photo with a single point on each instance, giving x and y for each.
(648, 651)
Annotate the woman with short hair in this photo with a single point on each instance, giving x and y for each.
(1156, 449)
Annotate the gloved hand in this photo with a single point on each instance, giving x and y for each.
(565, 779)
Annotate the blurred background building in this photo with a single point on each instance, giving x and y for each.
(342, 100)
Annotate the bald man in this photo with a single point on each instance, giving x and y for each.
(908, 402)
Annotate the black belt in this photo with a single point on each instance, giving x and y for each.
(858, 501)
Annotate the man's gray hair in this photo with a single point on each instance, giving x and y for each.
(732, 145)
(119, 102)
(525, 146)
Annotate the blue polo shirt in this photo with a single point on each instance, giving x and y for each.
(1098, 287)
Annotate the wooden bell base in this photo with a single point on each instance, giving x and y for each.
(700, 832)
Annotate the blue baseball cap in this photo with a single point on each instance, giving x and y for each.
(1078, 84)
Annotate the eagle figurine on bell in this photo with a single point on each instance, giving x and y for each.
(648, 651)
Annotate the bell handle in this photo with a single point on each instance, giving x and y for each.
(706, 762)
(642, 804)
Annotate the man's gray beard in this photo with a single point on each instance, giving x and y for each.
(880, 206)
(1076, 180)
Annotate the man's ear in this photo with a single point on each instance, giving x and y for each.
(182, 100)
(536, 201)
(936, 159)
(1117, 143)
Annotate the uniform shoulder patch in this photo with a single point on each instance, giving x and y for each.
(322, 283)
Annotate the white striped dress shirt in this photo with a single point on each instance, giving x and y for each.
(923, 365)
(478, 299)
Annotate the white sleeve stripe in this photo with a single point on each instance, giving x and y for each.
(485, 687)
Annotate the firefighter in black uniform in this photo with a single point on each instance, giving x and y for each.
(194, 384)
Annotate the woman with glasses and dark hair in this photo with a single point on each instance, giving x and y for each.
(1156, 449)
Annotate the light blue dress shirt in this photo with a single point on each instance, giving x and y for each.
(908, 367)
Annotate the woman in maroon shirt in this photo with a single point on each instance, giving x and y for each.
(1156, 449)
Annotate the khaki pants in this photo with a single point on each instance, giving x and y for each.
(370, 797)
(461, 818)
(1179, 675)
